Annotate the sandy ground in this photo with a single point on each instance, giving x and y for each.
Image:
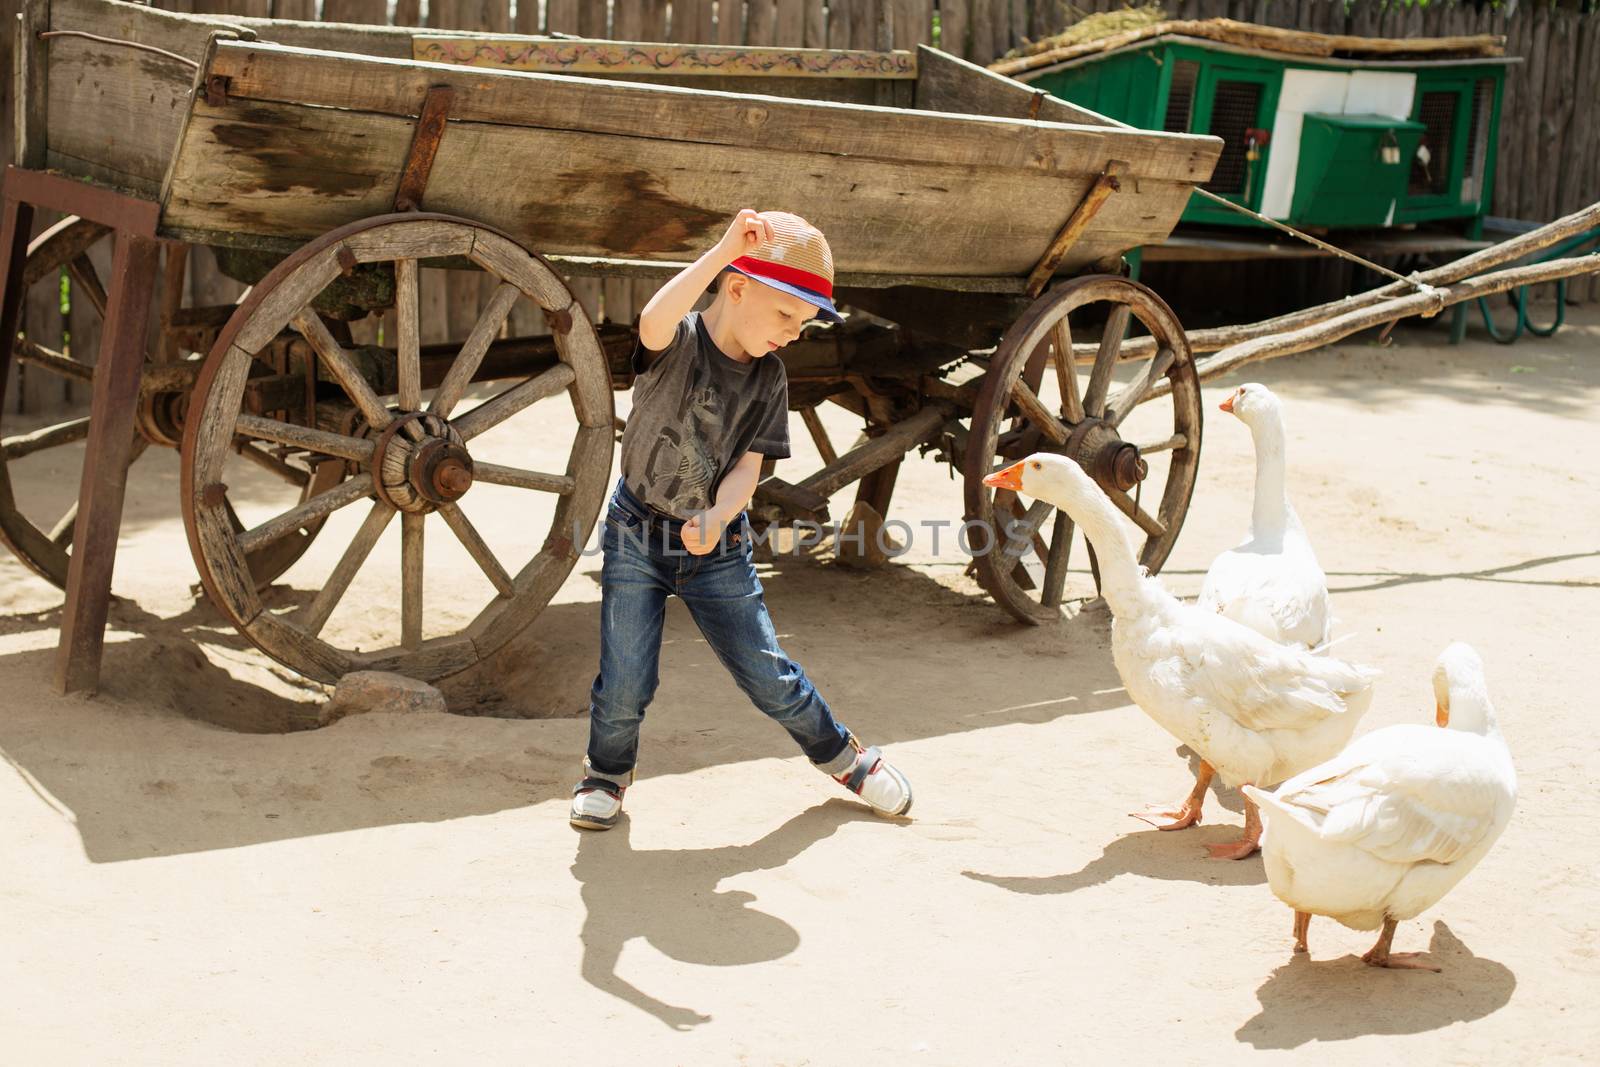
(184, 882)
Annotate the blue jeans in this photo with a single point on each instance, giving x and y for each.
(644, 563)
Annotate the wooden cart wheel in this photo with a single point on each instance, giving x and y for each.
(44, 542)
(1033, 568)
(407, 457)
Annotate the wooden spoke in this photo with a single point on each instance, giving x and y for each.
(1143, 519)
(1066, 371)
(287, 433)
(330, 352)
(1105, 361)
(1037, 413)
(319, 506)
(499, 408)
(1130, 396)
(274, 465)
(468, 535)
(84, 276)
(60, 534)
(819, 434)
(62, 433)
(409, 347)
(1177, 440)
(495, 474)
(1055, 568)
(485, 330)
(411, 526)
(314, 616)
(1017, 542)
(51, 360)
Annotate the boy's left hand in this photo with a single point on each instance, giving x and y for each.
(697, 538)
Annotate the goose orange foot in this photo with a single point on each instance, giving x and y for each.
(1380, 956)
(1248, 843)
(1186, 814)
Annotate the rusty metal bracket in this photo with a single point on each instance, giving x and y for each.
(1108, 183)
(217, 86)
(559, 322)
(431, 124)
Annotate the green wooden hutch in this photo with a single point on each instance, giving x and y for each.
(1327, 142)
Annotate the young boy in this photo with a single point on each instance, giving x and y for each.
(708, 405)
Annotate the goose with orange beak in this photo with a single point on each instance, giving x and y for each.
(1381, 832)
(1255, 711)
(1271, 581)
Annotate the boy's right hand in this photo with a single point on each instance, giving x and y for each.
(748, 231)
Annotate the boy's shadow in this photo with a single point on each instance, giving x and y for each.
(670, 898)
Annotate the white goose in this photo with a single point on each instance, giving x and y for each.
(1386, 828)
(1271, 582)
(1256, 711)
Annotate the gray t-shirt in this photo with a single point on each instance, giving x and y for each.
(695, 412)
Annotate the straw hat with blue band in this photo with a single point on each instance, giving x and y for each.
(796, 261)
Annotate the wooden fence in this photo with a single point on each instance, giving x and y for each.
(1549, 138)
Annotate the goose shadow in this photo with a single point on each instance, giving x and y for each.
(1173, 856)
(682, 913)
(1336, 1000)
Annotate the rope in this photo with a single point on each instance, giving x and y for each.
(1420, 286)
(185, 60)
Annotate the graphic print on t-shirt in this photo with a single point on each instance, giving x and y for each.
(679, 461)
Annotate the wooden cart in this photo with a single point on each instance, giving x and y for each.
(977, 226)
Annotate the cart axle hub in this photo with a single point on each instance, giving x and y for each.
(1109, 459)
(421, 463)
(441, 470)
(1123, 466)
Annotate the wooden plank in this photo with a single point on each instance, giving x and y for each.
(953, 86)
(816, 23)
(913, 23)
(693, 21)
(613, 58)
(113, 114)
(364, 11)
(594, 21)
(309, 170)
(790, 24)
(408, 12)
(31, 58)
(982, 48)
(761, 23)
(105, 467)
(954, 25)
(561, 16)
(663, 113)
(730, 22)
(627, 20)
